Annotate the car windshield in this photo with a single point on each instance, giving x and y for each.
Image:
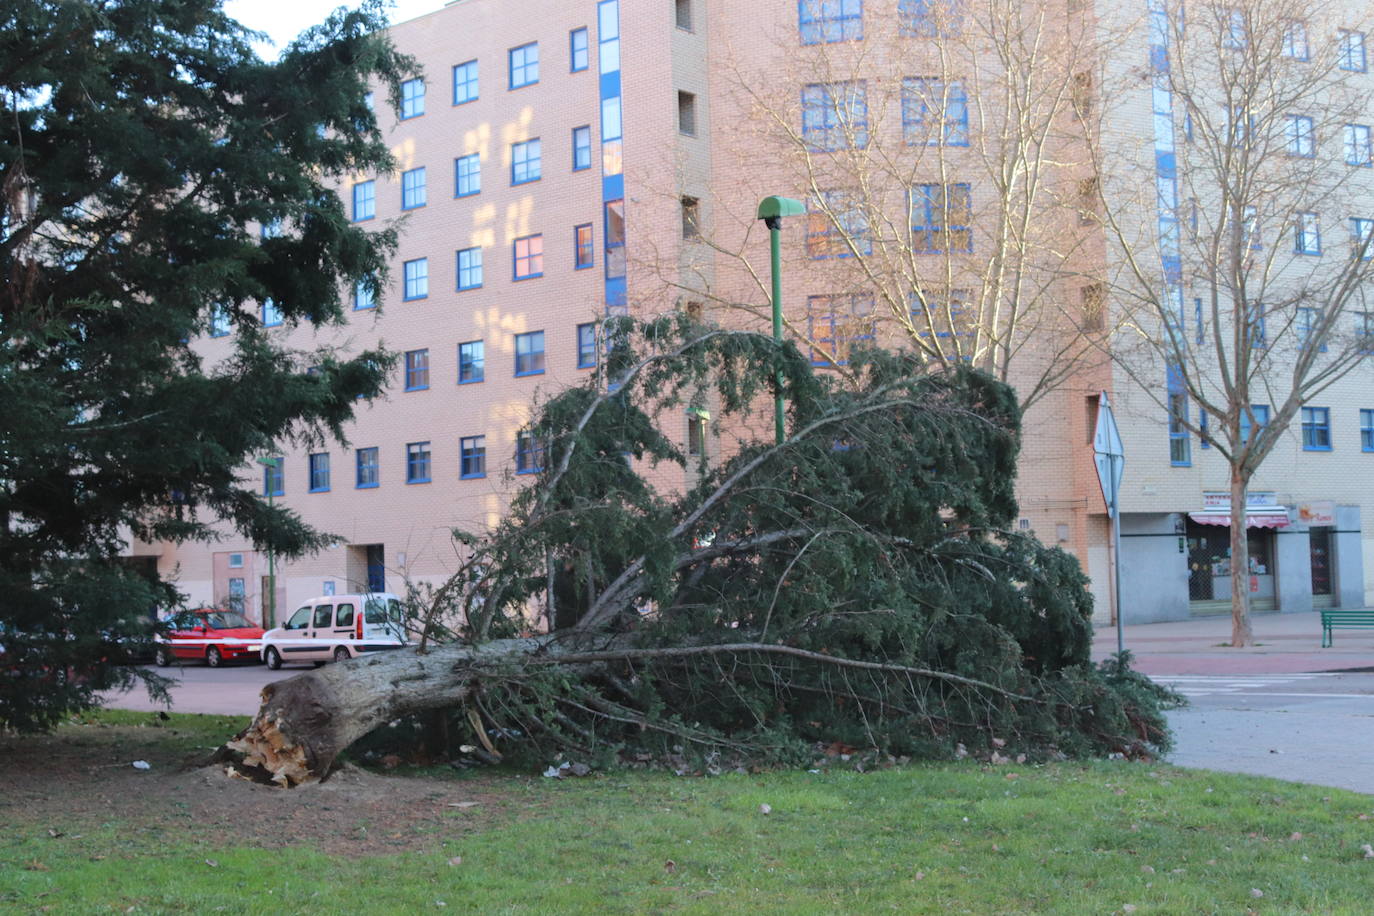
(379, 611)
(226, 620)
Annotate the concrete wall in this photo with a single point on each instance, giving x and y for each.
(1154, 572)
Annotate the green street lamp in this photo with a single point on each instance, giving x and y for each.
(771, 211)
(270, 619)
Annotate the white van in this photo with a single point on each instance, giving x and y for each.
(337, 628)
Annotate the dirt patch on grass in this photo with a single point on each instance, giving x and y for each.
(83, 777)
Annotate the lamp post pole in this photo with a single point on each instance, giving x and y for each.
(771, 211)
(270, 617)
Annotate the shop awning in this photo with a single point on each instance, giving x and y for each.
(1255, 517)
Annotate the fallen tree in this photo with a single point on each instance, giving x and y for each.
(852, 585)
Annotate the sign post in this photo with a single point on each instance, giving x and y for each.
(1111, 461)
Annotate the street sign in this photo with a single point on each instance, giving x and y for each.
(1108, 454)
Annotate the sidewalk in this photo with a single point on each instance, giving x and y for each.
(1288, 644)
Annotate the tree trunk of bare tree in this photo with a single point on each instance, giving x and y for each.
(1241, 634)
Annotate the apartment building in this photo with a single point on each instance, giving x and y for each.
(571, 159)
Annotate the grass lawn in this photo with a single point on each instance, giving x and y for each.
(961, 838)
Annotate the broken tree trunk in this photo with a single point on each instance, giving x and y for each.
(305, 722)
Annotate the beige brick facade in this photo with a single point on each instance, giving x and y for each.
(738, 71)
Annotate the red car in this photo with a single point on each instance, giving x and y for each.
(209, 634)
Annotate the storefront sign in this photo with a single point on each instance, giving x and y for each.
(1221, 499)
(1317, 514)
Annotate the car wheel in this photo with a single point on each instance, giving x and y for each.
(162, 657)
(213, 658)
(341, 654)
(273, 658)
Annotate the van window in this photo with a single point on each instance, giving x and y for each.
(378, 611)
(345, 616)
(323, 615)
(299, 620)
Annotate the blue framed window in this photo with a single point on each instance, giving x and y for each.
(835, 220)
(1199, 329)
(942, 218)
(614, 234)
(412, 98)
(274, 477)
(417, 462)
(1366, 430)
(369, 471)
(469, 268)
(1350, 54)
(417, 370)
(835, 324)
(930, 18)
(586, 346)
(529, 257)
(1254, 325)
(271, 315)
(611, 126)
(472, 457)
(465, 82)
(364, 200)
(934, 111)
(582, 246)
(524, 65)
(1250, 229)
(529, 454)
(835, 115)
(413, 189)
(582, 148)
(1261, 414)
(416, 278)
(1316, 429)
(1307, 234)
(1204, 438)
(525, 161)
(467, 176)
(1364, 328)
(219, 321)
(830, 21)
(1237, 30)
(472, 362)
(319, 472)
(529, 353)
(1180, 448)
(1358, 150)
(1361, 231)
(1300, 135)
(1309, 322)
(364, 296)
(944, 313)
(1295, 46)
(577, 50)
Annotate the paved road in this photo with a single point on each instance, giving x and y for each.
(1316, 728)
(231, 690)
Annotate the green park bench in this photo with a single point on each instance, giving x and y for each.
(1344, 619)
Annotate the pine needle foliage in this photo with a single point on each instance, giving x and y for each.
(857, 585)
(159, 182)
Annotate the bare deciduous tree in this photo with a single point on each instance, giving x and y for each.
(1249, 293)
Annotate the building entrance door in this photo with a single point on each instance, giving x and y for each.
(1323, 594)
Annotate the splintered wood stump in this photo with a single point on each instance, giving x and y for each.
(305, 722)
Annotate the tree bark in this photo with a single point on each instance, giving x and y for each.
(1241, 633)
(305, 722)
